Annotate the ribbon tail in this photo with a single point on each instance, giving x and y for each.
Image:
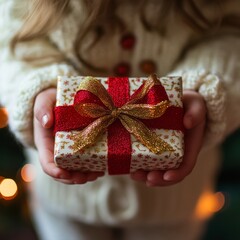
(144, 135)
(88, 136)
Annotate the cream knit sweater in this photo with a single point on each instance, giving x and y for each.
(211, 67)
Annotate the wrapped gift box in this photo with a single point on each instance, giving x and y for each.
(119, 125)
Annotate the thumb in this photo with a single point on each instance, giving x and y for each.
(194, 109)
(43, 108)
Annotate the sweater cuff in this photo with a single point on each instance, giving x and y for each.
(211, 68)
(210, 86)
(21, 121)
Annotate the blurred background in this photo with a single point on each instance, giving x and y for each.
(223, 207)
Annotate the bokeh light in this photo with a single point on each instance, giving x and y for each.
(28, 173)
(8, 188)
(1, 178)
(3, 117)
(209, 203)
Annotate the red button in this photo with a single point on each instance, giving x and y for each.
(128, 41)
(122, 69)
(148, 66)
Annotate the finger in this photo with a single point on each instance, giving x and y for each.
(43, 110)
(140, 176)
(44, 142)
(78, 178)
(190, 154)
(151, 179)
(155, 178)
(195, 109)
(65, 181)
(83, 177)
(92, 176)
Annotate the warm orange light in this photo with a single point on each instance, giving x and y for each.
(8, 188)
(1, 178)
(209, 203)
(28, 173)
(3, 117)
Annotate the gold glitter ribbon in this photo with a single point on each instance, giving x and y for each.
(129, 115)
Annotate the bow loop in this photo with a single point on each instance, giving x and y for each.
(145, 111)
(91, 110)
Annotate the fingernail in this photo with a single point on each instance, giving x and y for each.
(150, 177)
(44, 120)
(167, 177)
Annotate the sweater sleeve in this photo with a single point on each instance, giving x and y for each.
(21, 81)
(213, 69)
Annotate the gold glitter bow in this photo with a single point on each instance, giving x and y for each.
(129, 115)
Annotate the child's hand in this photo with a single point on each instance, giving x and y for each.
(44, 141)
(194, 122)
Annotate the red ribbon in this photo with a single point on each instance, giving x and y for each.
(119, 139)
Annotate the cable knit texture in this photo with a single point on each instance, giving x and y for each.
(211, 67)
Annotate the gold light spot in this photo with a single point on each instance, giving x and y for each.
(3, 117)
(209, 203)
(8, 189)
(28, 173)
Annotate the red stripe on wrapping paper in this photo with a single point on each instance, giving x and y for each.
(171, 119)
(67, 118)
(119, 139)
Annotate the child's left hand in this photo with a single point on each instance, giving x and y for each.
(44, 141)
(194, 122)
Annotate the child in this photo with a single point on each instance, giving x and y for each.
(196, 39)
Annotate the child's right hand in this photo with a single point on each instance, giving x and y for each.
(44, 141)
